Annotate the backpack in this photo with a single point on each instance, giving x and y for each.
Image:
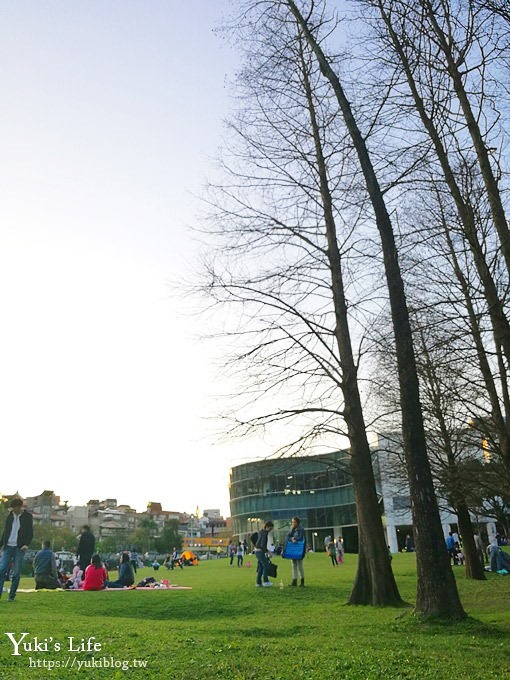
(254, 537)
(146, 582)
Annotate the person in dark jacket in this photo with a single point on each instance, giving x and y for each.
(126, 573)
(17, 536)
(45, 568)
(85, 549)
(260, 552)
(296, 533)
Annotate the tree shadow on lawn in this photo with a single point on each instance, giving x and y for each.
(159, 606)
(200, 605)
(469, 627)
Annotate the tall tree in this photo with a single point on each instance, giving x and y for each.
(374, 582)
(286, 143)
(439, 90)
(443, 21)
(437, 592)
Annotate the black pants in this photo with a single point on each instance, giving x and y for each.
(45, 581)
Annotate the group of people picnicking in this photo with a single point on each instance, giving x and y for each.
(89, 571)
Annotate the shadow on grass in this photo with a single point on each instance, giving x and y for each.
(433, 627)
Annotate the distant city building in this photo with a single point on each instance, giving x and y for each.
(77, 516)
(108, 519)
(46, 508)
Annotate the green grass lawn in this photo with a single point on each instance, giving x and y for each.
(226, 628)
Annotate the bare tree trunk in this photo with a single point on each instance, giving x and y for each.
(474, 568)
(374, 583)
(437, 591)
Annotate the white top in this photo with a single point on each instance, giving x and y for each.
(13, 537)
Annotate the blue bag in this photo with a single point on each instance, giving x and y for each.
(294, 551)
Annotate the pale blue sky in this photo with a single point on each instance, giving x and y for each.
(111, 114)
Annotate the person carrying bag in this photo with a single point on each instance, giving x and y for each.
(295, 548)
(260, 551)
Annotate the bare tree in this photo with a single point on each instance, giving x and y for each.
(442, 379)
(498, 7)
(407, 39)
(437, 592)
(465, 38)
(443, 20)
(302, 333)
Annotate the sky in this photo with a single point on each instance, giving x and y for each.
(111, 118)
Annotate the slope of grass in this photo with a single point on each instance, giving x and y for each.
(226, 628)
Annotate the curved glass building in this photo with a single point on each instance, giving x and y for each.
(317, 489)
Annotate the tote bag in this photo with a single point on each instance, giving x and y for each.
(272, 569)
(294, 551)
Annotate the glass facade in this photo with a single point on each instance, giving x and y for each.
(317, 489)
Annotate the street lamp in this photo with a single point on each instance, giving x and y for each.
(314, 534)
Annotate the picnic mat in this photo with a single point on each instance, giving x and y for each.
(110, 590)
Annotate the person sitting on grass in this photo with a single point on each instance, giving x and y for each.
(126, 573)
(74, 582)
(499, 560)
(45, 568)
(95, 574)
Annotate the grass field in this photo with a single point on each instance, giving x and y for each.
(226, 628)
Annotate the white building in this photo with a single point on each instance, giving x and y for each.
(394, 489)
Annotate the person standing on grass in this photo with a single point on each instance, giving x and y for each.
(296, 534)
(450, 546)
(332, 553)
(240, 554)
(340, 551)
(17, 536)
(231, 552)
(134, 560)
(260, 552)
(45, 568)
(85, 549)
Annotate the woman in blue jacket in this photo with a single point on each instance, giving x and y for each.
(297, 533)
